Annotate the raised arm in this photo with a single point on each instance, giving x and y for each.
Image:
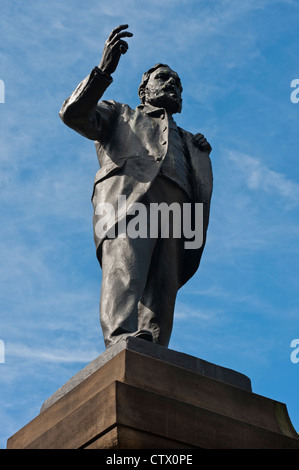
(81, 111)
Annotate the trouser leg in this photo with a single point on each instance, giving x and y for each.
(156, 307)
(125, 265)
(141, 277)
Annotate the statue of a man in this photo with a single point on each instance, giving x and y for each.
(145, 159)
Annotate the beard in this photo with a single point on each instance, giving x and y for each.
(166, 99)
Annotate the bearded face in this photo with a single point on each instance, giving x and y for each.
(164, 90)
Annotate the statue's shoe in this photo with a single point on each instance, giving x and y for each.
(144, 334)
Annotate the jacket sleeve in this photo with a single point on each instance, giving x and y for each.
(81, 111)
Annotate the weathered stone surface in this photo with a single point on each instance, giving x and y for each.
(158, 352)
(137, 401)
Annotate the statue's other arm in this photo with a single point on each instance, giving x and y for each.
(81, 111)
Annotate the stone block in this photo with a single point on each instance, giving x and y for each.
(142, 396)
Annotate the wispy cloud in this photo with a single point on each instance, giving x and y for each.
(206, 318)
(77, 356)
(259, 177)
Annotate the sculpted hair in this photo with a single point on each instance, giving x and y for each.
(145, 78)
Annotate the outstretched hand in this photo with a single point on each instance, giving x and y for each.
(114, 47)
(201, 142)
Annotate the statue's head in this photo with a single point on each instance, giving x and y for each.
(161, 87)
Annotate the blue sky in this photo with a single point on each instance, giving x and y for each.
(236, 61)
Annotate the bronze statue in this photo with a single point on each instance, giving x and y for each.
(145, 160)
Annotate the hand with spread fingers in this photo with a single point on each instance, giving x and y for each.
(114, 47)
(201, 142)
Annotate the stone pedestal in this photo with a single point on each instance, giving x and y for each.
(139, 395)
